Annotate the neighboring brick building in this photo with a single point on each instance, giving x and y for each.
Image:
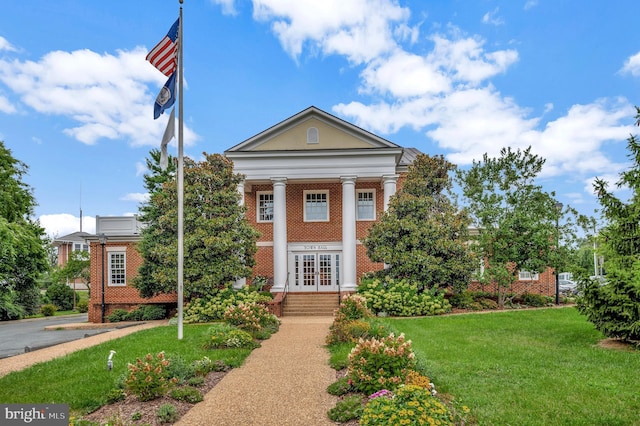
(66, 245)
(314, 184)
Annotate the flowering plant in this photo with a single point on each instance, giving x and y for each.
(383, 392)
(380, 363)
(148, 377)
(411, 405)
(246, 316)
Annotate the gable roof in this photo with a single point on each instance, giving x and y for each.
(75, 237)
(354, 137)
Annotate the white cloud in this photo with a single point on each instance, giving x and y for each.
(492, 18)
(136, 196)
(6, 106)
(107, 96)
(59, 225)
(361, 30)
(530, 4)
(418, 76)
(141, 168)
(6, 46)
(632, 65)
(228, 6)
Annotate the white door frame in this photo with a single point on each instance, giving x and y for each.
(315, 267)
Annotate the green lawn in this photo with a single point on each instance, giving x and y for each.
(539, 367)
(82, 380)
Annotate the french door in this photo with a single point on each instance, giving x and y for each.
(315, 271)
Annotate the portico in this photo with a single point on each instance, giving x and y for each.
(313, 186)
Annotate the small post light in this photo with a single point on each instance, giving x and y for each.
(110, 360)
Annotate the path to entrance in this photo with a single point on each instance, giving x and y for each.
(284, 382)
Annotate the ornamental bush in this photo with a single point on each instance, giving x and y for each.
(401, 298)
(375, 364)
(408, 405)
(229, 336)
(147, 378)
(60, 295)
(212, 308)
(246, 316)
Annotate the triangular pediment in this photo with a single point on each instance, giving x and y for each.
(312, 129)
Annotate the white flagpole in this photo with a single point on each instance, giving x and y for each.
(180, 181)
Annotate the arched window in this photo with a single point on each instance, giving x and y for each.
(312, 135)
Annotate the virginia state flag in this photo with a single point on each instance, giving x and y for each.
(163, 55)
(166, 97)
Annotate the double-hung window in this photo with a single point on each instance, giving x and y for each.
(316, 206)
(265, 206)
(117, 259)
(528, 276)
(366, 204)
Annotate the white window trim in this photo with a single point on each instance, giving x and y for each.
(373, 191)
(258, 193)
(304, 204)
(114, 250)
(528, 276)
(478, 273)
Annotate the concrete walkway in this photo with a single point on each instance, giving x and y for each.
(284, 382)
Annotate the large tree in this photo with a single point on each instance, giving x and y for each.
(423, 236)
(516, 221)
(219, 243)
(23, 256)
(613, 306)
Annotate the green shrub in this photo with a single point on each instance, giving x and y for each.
(10, 309)
(380, 363)
(179, 368)
(401, 298)
(118, 315)
(195, 381)
(48, 310)
(153, 312)
(411, 405)
(462, 300)
(535, 300)
(347, 409)
(167, 413)
(188, 394)
(60, 295)
(116, 395)
(228, 336)
(205, 365)
(82, 306)
(340, 387)
(147, 378)
(487, 303)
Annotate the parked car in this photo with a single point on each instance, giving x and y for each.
(567, 286)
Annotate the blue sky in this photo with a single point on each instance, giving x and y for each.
(458, 78)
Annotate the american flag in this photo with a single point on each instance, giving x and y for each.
(163, 56)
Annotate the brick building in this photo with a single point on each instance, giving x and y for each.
(314, 184)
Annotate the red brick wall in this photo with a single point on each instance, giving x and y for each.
(117, 297)
(545, 285)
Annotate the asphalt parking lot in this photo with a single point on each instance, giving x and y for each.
(18, 337)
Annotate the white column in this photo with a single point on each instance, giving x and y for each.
(389, 185)
(279, 233)
(240, 282)
(241, 191)
(349, 282)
